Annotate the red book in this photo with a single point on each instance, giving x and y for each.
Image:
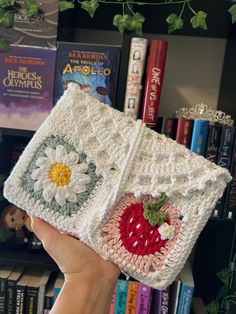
(153, 81)
(184, 132)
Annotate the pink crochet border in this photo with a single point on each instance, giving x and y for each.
(113, 242)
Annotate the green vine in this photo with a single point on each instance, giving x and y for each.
(130, 20)
(8, 8)
(224, 295)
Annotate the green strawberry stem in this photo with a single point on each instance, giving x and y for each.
(152, 211)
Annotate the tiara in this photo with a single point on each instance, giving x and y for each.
(204, 112)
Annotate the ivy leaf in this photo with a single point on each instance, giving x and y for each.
(4, 46)
(7, 3)
(31, 7)
(223, 275)
(65, 5)
(232, 11)
(174, 22)
(122, 22)
(213, 307)
(6, 18)
(199, 20)
(136, 23)
(90, 6)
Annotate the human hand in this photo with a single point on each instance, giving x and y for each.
(73, 257)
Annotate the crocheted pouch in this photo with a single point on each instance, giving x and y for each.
(136, 197)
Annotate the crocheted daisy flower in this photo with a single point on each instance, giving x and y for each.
(60, 176)
(167, 231)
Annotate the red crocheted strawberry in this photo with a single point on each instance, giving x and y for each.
(139, 225)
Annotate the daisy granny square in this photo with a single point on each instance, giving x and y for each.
(136, 197)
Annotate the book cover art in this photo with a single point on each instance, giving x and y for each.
(153, 81)
(38, 30)
(136, 64)
(26, 86)
(144, 299)
(93, 67)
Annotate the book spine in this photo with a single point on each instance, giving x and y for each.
(153, 81)
(168, 127)
(185, 299)
(113, 302)
(11, 289)
(20, 300)
(184, 132)
(199, 137)
(41, 299)
(121, 296)
(213, 142)
(224, 160)
(3, 292)
(164, 306)
(156, 301)
(137, 59)
(132, 297)
(144, 299)
(31, 300)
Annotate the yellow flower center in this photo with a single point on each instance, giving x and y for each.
(60, 174)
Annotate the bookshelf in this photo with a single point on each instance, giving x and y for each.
(68, 22)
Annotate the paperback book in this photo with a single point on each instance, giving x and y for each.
(93, 67)
(37, 30)
(26, 86)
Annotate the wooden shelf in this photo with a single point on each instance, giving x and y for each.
(26, 257)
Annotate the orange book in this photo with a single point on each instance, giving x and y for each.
(132, 297)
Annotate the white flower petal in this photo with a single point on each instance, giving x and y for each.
(51, 154)
(79, 188)
(71, 197)
(71, 159)
(80, 179)
(43, 162)
(60, 196)
(80, 168)
(39, 185)
(61, 153)
(49, 192)
(37, 173)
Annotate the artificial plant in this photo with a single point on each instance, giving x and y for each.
(132, 20)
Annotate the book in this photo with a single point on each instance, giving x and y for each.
(121, 296)
(167, 126)
(5, 271)
(93, 67)
(20, 296)
(213, 142)
(49, 293)
(160, 301)
(132, 297)
(144, 299)
(153, 81)
(186, 291)
(11, 289)
(224, 160)
(57, 286)
(184, 132)
(113, 302)
(199, 137)
(174, 296)
(26, 86)
(37, 30)
(136, 65)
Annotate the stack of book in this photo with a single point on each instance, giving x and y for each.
(217, 143)
(24, 290)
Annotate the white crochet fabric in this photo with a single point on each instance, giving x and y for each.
(93, 173)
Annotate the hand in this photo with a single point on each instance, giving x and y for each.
(71, 255)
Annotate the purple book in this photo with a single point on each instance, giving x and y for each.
(144, 299)
(26, 86)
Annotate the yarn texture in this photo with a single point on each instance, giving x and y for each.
(135, 196)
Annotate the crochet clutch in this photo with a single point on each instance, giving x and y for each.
(136, 197)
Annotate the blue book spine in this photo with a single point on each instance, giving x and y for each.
(121, 296)
(199, 137)
(185, 299)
